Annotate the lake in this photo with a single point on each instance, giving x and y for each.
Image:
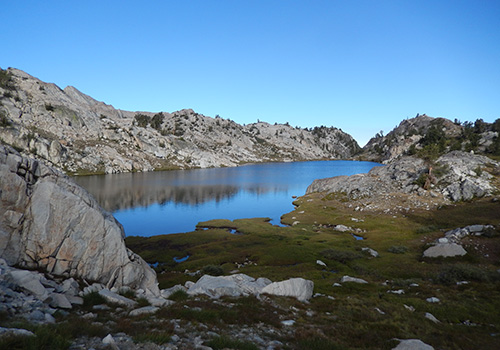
(164, 202)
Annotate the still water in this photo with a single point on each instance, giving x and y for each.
(155, 203)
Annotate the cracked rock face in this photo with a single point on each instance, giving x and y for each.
(48, 222)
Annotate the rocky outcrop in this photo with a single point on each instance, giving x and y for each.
(454, 176)
(449, 245)
(432, 136)
(78, 134)
(243, 285)
(48, 222)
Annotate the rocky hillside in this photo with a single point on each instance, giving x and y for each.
(78, 134)
(428, 138)
(49, 223)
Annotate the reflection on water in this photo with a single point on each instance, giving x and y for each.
(175, 201)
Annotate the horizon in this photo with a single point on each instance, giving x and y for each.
(362, 67)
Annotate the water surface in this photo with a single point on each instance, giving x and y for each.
(154, 203)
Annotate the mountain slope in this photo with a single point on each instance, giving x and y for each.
(78, 134)
(428, 138)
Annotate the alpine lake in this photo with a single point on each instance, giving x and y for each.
(245, 220)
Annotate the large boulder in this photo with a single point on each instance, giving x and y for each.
(233, 285)
(48, 222)
(294, 287)
(445, 250)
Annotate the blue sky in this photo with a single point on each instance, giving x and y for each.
(362, 66)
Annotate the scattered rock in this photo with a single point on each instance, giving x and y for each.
(431, 317)
(288, 323)
(146, 310)
(412, 344)
(433, 300)
(321, 263)
(370, 251)
(295, 287)
(352, 279)
(116, 298)
(445, 250)
(15, 332)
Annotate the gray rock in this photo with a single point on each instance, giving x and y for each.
(30, 282)
(63, 231)
(59, 301)
(412, 344)
(433, 300)
(15, 332)
(370, 251)
(444, 250)
(146, 310)
(233, 285)
(295, 287)
(431, 317)
(116, 298)
(352, 279)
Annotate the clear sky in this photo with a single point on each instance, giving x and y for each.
(362, 66)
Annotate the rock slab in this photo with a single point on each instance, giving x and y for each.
(48, 222)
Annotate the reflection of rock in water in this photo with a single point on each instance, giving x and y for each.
(130, 197)
(191, 187)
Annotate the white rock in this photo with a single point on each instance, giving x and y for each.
(15, 332)
(444, 250)
(412, 344)
(159, 302)
(409, 308)
(116, 298)
(146, 310)
(288, 323)
(433, 300)
(321, 263)
(399, 291)
(431, 317)
(352, 279)
(30, 282)
(233, 285)
(108, 339)
(295, 287)
(59, 301)
(370, 251)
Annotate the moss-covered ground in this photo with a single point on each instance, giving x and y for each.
(367, 316)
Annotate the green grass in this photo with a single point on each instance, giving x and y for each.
(222, 342)
(350, 320)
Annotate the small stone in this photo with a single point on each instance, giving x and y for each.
(352, 279)
(409, 308)
(431, 317)
(432, 300)
(108, 339)
(412, 344)
(319, 262)
(147, 310)
(288, 323)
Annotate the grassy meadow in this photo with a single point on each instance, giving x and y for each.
(366, 316)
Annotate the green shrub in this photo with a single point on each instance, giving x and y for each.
(142, 120)
(6, 81)
(463, 272)
(212, 270)
(224, 342)
(398, 249)
(179, 295)
(153, 337)
(93, 298)
(4, 121)
(341, 256)
(142, 302)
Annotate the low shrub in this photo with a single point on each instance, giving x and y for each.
(463, 272)
(341, 256)
(398, 249)
(224, 342)
(212, 270)
(93, 298)
(179, 295)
